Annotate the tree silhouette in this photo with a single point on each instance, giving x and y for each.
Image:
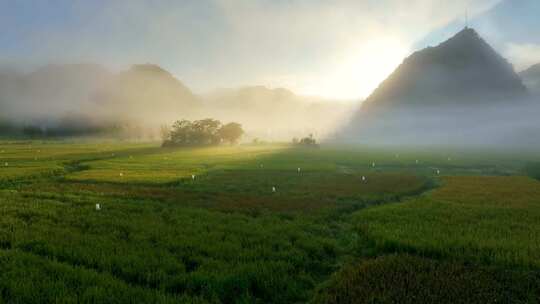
(231, 132)
(201, 133)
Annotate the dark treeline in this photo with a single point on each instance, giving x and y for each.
(533, 170)
(202, 132)
(75, 127)
(7, 128)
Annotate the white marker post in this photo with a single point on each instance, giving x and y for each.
(193, 176)
(298, 169)
(363, 178)
(274, 189)
(98, 207)
(373, 164)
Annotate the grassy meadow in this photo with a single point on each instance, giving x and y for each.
(266, 224)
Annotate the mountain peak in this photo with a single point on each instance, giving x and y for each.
(467, 39)
(440, 94)
(149, 68)
(533, 70)
(465, 48)
(468, 32)
(462, 70)
(531, 78)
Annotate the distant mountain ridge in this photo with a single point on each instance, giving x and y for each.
(54, 92)
(79, 96)
(147, 92)
(458, 92)
(463, 69)
(49, 92)
(531, 78)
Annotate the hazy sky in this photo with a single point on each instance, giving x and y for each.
(336, 49)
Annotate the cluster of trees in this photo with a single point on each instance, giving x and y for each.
(308, 141)
(201, 133)
(6, 128)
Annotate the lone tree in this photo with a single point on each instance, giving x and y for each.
(231, 132)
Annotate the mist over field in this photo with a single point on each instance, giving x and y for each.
(465, 93)
(144, 97)
(270, 151)
(469, 126)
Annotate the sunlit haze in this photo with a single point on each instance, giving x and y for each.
(282, 69)
(339, 49)
(358, 70)
(270, 151)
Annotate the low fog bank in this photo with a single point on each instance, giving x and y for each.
(510, 125)
(91, 100)
(278, 114)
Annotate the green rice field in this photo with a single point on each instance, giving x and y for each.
(266, 224)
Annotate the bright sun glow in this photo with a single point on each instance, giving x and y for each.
(359, 70)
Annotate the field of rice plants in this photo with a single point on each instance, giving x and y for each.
(265, 224)
(489, 219)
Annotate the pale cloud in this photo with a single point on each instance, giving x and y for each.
(523, 55)
(340, 48)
